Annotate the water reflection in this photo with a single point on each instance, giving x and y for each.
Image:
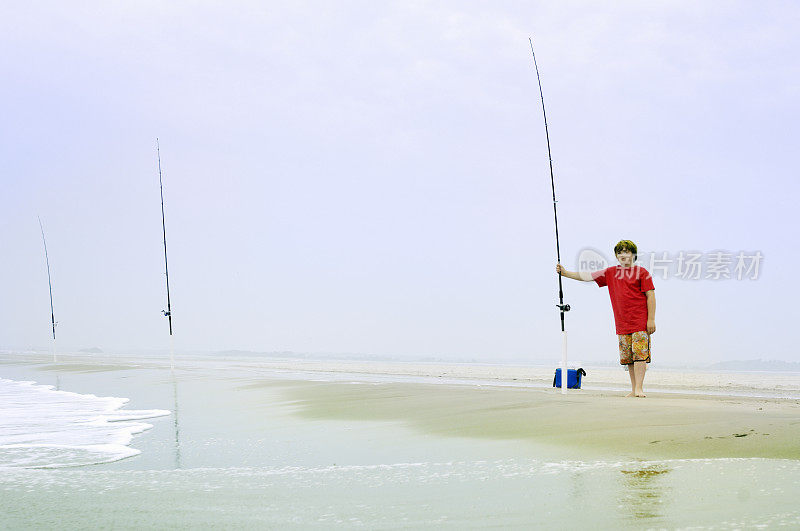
(176, 424)
(644, 490)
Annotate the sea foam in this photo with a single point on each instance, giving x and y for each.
(41, 427)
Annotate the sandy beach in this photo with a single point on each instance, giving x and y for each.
(320, 444)
(582, 424)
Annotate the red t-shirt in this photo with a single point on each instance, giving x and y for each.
(627, 287)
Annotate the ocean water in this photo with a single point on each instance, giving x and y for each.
(234, 456)
(507, 493)
(41, 427)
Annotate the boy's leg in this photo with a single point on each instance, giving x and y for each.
(626, 358)
(639, 368)
(629, 368)
(641, 356)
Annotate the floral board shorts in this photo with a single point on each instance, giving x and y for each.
(634, 347)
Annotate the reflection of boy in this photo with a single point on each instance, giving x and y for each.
(633, 300)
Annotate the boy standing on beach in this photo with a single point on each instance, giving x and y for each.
(633, 299)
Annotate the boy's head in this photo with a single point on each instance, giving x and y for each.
(626, 253)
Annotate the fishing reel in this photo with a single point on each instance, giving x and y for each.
(166, 313)
(563, 307)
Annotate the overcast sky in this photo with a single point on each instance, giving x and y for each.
(372, 177)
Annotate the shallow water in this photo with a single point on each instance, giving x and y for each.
(713, 494)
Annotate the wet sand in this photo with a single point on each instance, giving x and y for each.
(583, 423)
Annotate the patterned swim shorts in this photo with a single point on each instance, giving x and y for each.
(634, 347)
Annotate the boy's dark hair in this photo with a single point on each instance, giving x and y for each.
(626, 245)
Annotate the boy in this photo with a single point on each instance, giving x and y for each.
(633, 299)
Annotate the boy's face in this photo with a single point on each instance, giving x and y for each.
(625, 258)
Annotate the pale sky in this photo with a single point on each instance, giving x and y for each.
(372, 177)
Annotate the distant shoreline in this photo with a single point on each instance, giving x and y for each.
(669, 381)
(751, 365)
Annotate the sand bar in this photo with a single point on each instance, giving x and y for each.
(584, 424)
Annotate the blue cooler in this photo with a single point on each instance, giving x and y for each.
(573, 378)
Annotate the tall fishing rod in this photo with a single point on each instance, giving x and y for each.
(563, 308)
(168, 312)
(50, 285)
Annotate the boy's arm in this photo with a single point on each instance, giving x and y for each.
(651, 311)
(575, 275)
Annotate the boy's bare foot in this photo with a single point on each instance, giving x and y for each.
(640, 394)
(629, 395)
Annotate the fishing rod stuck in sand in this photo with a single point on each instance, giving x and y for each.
(168, 312)
(50, 286)
(563, 308)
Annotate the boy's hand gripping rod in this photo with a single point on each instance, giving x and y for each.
(563, 308)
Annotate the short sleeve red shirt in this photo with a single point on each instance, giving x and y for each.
(627, 287)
